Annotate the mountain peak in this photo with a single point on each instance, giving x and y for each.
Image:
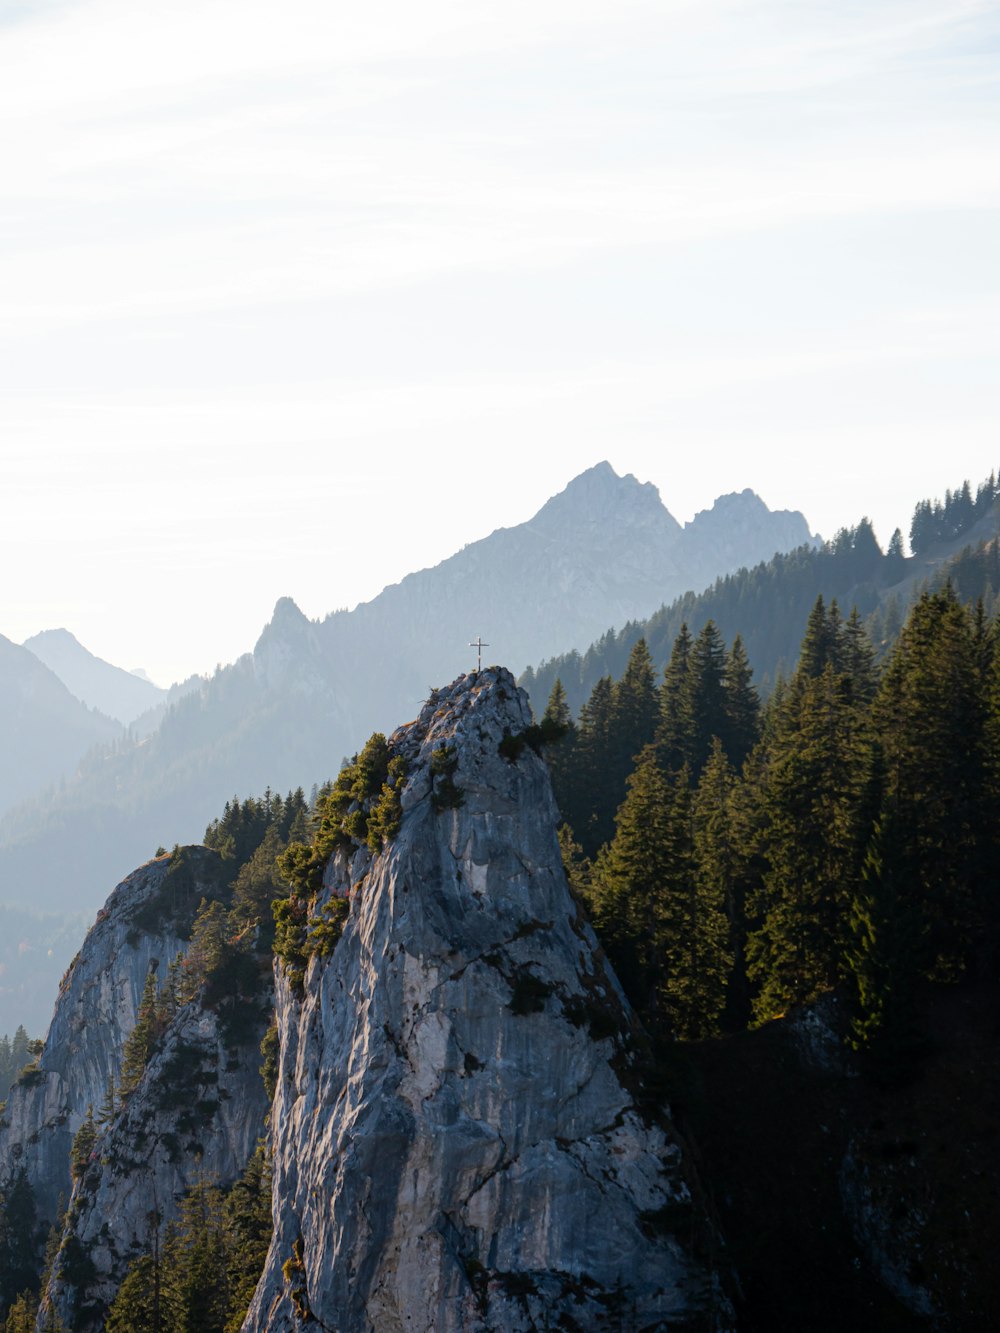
(93, 680)
(58, 635)
(599, 493)
(287, 614)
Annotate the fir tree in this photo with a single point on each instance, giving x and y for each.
(84, 1143)
(930, 717)
(814, 788)
(742, 705)
(631, 878)
(141, 1041)
(248, 1226)
(675, 733)
(707, 706)
(697, 956)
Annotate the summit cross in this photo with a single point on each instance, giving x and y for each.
(478, 644)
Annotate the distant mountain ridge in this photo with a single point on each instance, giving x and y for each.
(603, 551)
(117, 693)
(45, 729)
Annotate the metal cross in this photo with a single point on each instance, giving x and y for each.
(478, 644)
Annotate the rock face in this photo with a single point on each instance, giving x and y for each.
(457, 1135)
(197, 1113)
(137, 930)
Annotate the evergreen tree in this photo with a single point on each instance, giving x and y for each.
(84, 1143)
(20, 1241)
(209, 944)
(721, 867)
(595, 808)
(814, 789)
(149, 1299)
(675, 734)
(857, 658)
(930, 718)
(883, 951)
(22, 1314)
(562, 756)
(201, 1260)
(248, 1227)
(141, 1041)
(697, 952)
(895, 558)
(630, 882)
(666, 932)
(742, 705)
(707, 706)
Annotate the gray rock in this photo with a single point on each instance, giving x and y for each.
(456, 1134)
(197, 1114)
(94, 1013)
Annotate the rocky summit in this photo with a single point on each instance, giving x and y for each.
(460, 1138)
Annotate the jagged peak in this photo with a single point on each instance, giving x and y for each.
(599, 489)
(287, 614)
(60, 635)
(470, 712)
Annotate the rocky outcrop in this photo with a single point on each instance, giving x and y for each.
(142, 927)
(459, 1136)
(197, 1114)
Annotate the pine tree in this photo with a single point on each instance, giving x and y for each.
(721, 865)
(594, 809)
(110, 1104)
(858, 658)
(675, 732)
(562, 756)
(149, 1299)
(84, 1143)
(742, 705)
(883, 953)
(248, 1226)
(22, 1314)
(209, 941)
(930, 716)
(629, 882)
(697, 955)
(814, 789)
(20, 1241)
(895, 558)
(141, 1041)
(202, 1260)
(707, 704)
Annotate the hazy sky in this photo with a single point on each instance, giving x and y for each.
(297, 298)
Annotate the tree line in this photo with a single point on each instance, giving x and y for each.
(738, 859)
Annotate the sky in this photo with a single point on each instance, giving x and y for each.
(296, 299)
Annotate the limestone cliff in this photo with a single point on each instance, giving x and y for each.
(197, 1113)
(142, 926)
(458, 1132)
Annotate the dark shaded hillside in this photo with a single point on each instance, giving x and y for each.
(848, 1202)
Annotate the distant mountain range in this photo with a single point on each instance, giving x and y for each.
(45, 729)
(602, 552)
(117, 693)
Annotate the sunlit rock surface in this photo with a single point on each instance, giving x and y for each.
(457, 1140)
